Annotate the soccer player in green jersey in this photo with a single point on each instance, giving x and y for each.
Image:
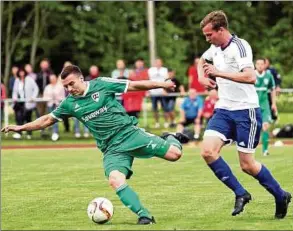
(117, 136)
(265, 83)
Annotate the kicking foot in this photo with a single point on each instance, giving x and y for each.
(240, 202)
(282, 207)
(182, 138)
(146, 221)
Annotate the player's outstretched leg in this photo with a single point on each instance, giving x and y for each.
(129, 198)
(265, 178)
(210, 152)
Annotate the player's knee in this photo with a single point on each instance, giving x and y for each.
(246, 167)
(265, 126)
(116, 179)
(208, 152)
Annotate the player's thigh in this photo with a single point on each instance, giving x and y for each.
(221, 126)
(148, 145)
(118, 161)
(248, 127)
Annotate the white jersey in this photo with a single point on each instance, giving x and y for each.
(236, 56)
(160, 75)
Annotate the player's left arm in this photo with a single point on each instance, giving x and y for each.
(242, 54)
(148, 85)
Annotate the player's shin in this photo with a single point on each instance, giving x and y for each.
(224, 174)
(131, 200)
(266, 179)
(265, 141)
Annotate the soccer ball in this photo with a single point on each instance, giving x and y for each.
(100, 210)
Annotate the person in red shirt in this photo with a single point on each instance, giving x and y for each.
(193, 82)
(209, 105)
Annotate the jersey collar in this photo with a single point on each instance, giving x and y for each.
(87, 88)
(233, 36)
(260, 75)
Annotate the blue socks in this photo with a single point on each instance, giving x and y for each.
(266, 179)
(224, 174)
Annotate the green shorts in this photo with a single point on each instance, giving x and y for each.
(139, 144)
(266, 114)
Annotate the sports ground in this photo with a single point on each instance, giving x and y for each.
(49, 189)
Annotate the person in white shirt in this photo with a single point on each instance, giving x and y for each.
(228, 64)
(54, 93)
(160, 74)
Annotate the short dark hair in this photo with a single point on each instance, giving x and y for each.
(260, 58)
(21, 69)
(217, 18)
(71, 69)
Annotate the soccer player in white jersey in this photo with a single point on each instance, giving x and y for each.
(228, 63)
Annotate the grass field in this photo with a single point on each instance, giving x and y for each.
(50, 190)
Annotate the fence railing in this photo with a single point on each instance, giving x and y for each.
(7, 102)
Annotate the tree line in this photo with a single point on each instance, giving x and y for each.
(99, 33)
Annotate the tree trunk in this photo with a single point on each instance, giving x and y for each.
(35, 35)
(8, 44)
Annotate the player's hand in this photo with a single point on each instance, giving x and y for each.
(12, 128)
(210, 69)
(274, 107)
(209, 83)
(169, 85)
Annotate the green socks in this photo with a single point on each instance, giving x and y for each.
(130, 199)
(172, 140)
(265, 141)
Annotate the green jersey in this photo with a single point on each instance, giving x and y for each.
(99, 111)
(264, 83)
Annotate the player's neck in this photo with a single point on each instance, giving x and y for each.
(226, 39)
(84, 87)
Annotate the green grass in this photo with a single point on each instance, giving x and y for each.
(50, 190)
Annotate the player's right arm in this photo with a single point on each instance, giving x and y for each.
(207, 82)
(38, 124)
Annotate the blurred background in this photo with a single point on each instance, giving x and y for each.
(96, 35)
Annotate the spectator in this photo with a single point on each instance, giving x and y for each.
(66, 119)
(25, 88)
(3, 96)
(94, 73)
(193, 77)
(158, 73)
(29, 70)
(140, 72)
(278, 81)
(209, 105)
(191, 112)
(12, 78)
(55, 93)
(170, 101)
(121, 72)
(42, 81)
(77, 132)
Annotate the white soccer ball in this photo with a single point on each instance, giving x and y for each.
(100, 210)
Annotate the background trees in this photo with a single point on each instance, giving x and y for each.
(100, 32)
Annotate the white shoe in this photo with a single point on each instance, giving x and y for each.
(86, 135)
(54, 137)
(16, 136)
(77, 135)
(29, 137)
(157, 125)
(266, 153)
(196, 136)
(166, 125)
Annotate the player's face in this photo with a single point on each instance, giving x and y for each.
(213, 36)
(74, 84)
(260, 65)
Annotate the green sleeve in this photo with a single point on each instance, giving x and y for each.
(61, 111)
(114, 85)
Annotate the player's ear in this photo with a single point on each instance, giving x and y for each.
(81, 78)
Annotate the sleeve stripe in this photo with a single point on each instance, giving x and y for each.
(240, 47)
(127, 85)
(55, 117)
(111, 80)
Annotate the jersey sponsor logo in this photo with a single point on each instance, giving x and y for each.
(96, 96)
(94, 114)
(266, 81)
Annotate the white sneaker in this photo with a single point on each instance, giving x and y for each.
(266, 153)
(29, 137)
(157, 125)
(54, 137)
(77, 135)
(86, 135)
(166, 125)
(196, 136)
(16, 136)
